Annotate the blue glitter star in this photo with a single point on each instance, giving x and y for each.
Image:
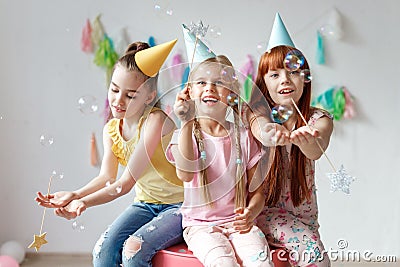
(340, 180)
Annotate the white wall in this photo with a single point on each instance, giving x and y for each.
(44, 72)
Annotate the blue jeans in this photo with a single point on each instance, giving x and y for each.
(156, 226)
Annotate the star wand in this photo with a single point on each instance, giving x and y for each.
(340, 180)
(39, 240)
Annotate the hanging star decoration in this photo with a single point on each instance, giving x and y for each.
(40, 239)
(340, 180)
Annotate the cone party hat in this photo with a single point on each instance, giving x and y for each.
(151, 59)
(279, 34)
(196, 50)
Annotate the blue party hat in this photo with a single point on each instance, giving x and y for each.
(279, 34)
(201, 51)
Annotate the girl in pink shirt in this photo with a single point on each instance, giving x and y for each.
(217, 160)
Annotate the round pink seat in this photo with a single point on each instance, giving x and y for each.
(176, 256)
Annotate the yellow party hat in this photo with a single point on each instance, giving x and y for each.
(151, 59)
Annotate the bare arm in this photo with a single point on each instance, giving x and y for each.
(310, 141)
(108, 170)
(183, 152)
(157, 124)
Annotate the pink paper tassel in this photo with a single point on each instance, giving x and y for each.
(349, 111)
(86, 39)
(93, 151)
(177, 67)
(248, 68)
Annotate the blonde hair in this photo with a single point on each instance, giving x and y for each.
(240, 185)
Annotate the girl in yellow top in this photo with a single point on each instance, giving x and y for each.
(135, 138)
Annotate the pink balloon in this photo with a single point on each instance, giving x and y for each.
(7, 261)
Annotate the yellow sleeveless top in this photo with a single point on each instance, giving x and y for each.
(158, 183)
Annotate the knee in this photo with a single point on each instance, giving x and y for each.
(132, 246)
(99, 245)
(220, 257)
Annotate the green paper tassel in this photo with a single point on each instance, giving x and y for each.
(105, 55)
(97, 31)
(339, 103)
(320, 49)
(247, 88)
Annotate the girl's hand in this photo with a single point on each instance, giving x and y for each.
(184, 106)
(56, 200)
(303, 136)
(273, 134)
(244, 221)
(72, 210)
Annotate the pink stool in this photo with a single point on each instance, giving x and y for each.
(180, 256)
(176, 256)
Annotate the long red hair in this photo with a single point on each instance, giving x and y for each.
(275, 179)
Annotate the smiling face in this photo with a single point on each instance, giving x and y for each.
(277, 85)
(209, 88)
(126, 91)
(283, 85)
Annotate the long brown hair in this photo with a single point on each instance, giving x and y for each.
(128, 62)
(274, 182)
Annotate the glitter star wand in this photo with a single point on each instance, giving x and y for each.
(39, 240)
(340, 180)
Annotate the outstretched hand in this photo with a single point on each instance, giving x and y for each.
(74, 209)
(273, 134)
(184, 106)
(244, 221)
(303, 136)
(56, 200)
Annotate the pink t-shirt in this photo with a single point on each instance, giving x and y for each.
(221, 174)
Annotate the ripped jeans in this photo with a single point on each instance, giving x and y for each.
(151, 227)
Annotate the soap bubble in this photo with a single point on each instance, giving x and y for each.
(293, 60)
(215, 31)
(281, 113)
(261, 47)
(78, 226)
(46, 140)
(87, 104)
(163, 10)
(55, 174)
(232, 99)
(114, 188)
(228, 75)
(306, 75)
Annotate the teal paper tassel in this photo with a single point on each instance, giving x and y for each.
(320, 49)
(185, 77)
